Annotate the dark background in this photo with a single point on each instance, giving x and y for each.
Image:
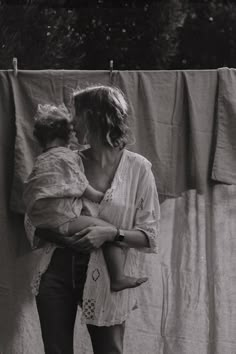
(137, 35)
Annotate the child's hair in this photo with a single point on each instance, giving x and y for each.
(106, 111)
(52, 122)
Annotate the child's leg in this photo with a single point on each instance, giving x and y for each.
(115, 258)
(83, 221)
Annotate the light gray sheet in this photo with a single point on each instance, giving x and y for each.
(189, 302)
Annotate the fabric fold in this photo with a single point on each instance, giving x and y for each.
(201, 97)
(224, 165)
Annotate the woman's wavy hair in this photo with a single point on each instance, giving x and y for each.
(106, 111)
(52, 122)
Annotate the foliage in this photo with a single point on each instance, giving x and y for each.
(208, 37)
(148, 35)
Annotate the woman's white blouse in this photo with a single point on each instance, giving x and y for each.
(130, 203)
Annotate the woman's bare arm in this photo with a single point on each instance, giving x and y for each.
(93, 237)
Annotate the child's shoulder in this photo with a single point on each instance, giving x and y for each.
(58, 156)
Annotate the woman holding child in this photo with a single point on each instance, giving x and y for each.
(101, 225)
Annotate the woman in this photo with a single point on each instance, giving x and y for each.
(56, 185)
(78, 273)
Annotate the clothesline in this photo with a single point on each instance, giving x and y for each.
(111, 69)
(15, 67)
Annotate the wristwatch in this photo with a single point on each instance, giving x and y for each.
(120, 235)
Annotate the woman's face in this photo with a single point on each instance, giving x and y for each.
(81, 129)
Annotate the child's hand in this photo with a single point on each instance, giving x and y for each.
(98, 197)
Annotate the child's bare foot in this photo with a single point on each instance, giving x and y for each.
(127, 282)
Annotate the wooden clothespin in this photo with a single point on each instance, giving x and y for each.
(111, 69)
(15, 66)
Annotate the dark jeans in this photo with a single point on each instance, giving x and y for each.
(61, 289)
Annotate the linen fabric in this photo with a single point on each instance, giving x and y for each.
(224, 164)
(180, 121)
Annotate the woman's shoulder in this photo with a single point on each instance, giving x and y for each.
(138, 160)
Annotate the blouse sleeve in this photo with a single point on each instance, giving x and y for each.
(34, 241)
(147, 214)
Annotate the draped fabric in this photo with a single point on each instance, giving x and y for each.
(184, 122)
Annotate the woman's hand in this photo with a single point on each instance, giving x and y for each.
(93, 237)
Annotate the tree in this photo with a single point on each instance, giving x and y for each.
(135, 36)
(148, 35)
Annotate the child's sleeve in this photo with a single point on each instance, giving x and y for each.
(55, 177)
(147, 215)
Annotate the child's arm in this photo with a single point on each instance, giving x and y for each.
(69, 241)
(93, 194)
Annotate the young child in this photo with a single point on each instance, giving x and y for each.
(54, 188)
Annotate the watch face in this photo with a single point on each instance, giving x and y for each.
(121, 235)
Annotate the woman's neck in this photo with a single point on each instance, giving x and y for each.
(104, 156)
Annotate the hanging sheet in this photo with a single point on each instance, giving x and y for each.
(183, 123)
(172, 116)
